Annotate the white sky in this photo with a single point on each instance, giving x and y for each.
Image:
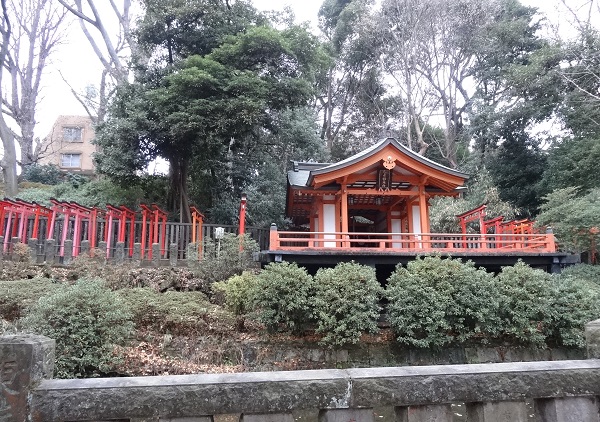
(78, 64)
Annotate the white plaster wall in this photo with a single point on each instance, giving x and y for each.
(416, 221)
(396, 228)
(329, 224)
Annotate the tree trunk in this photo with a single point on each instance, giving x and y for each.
(9, 161)
(178, 195)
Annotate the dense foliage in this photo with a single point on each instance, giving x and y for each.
(227, 95)
(346, 303)
(87, 321)
(47, 174)
(172, 312)
(434, 302)
(574, 217)
(526, 303)
(282, 297)
(238, 292)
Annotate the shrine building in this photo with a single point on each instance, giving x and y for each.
(373, 208)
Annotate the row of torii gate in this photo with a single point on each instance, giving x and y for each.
(63, 221)
(495, 225)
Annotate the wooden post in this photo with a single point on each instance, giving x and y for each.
(273, 238)
(550, 241)
(344, 215)
(242, 226)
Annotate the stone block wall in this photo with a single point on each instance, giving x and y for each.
(566, 391)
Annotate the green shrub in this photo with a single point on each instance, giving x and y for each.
(527, 297)
(282, 297)
(87, 320)
(172, 312)
(224, 259)
(238, 292)
(17, 296)
(434, 302)
(576, 302)
(583, 272)
(346, 302)
(48, 174)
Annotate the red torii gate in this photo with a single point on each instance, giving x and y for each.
(80, 214)
(197, 221)
(476, 214)
(19, 212)
(494, 223)
(122, 215)
(154, 225)
(83, 214)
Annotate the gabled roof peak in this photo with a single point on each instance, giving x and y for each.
(380, 145)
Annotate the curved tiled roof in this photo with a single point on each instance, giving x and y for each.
(378, 147)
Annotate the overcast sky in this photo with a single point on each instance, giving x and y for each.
(80, 66)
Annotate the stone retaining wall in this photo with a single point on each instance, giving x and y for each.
(282, 355)
(566, 391)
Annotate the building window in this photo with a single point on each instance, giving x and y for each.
(70, 160)
(72, 134)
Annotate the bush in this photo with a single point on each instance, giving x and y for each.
(48, 174)
(527, 297)
(434, 302)
(238, 292)
(346, 302)
(171, 312)
(87, 320)
(590, 273)
(224, 259)
(576, 302)
(282, 297)
(17, 296)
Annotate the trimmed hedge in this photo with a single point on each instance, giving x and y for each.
(346, 303)
(282, 297)
(87, 320)
(434, 302)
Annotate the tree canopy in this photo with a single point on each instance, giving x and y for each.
(209, 108)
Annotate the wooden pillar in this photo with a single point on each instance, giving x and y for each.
(344, 215)
(411, 226)
(424, 217)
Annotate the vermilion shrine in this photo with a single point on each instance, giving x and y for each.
(374, 208)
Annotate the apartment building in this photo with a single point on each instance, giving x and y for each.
(69, 145)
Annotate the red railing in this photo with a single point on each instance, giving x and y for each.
(411, 242)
